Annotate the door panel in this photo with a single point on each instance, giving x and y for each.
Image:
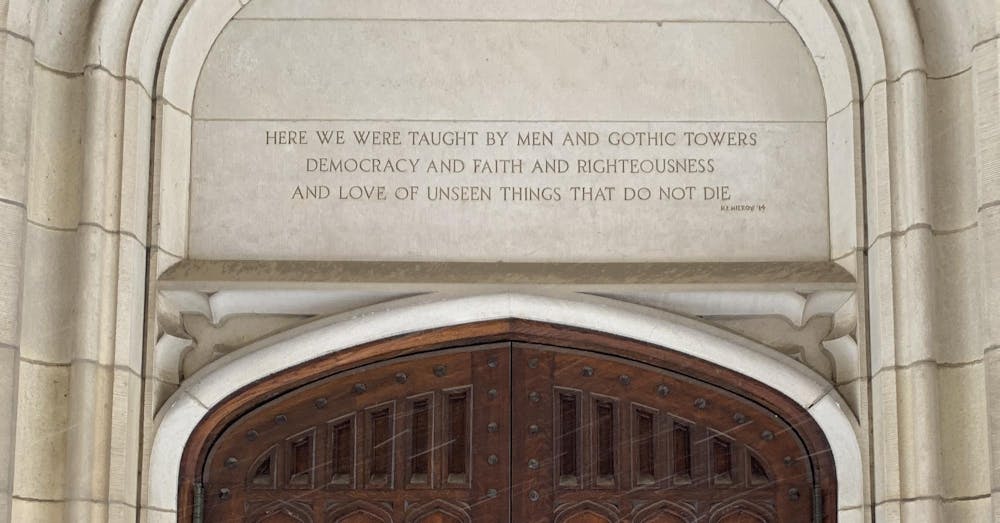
(508, 432)
(390, 442)
(600, 438)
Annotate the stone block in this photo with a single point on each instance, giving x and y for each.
(818, 26)
(968, 511)
(32, 511)
(55, 182)
(8, 420)
(135, 184)
(52, 274)
(42, 424)
(951, 121)
(845, 165)
(11, 264)
(957, 295)
(965, 431)
(15, 138)
(947, 33)
(173, 160)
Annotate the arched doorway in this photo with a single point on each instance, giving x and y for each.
(508, 421)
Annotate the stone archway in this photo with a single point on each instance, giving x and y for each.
(228, 388)
(507, 420)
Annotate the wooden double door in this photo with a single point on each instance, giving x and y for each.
(508, 432)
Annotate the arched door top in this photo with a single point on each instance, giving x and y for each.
(232, 384)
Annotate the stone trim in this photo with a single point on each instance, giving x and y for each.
(190, 273)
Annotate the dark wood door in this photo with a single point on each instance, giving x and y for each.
(597, 438)
(508, 432)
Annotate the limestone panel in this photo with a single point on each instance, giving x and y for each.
(502, 70)
(42, 415)
(877, 180)
(843, 131)
(135, 160)
(964, 432)
(552, 202)
(87, 434)
(957, 293)
(992, 387)
(556, 70)
(912, 285)
(8, 406)
(953, 162)
(987, 97)
(918, 439)
(12, 237)
(125, 440)
(33, 511)
(61, 34)
(989, 238)
(881, 317)
(15, 75)
(20, 17)
(173, 157)
(57, 149)
(86, 510)
(814, 24)
(130, 304)
(101, 188)
(946, 29)
(909, 153)
(98, 299)
(885, 447)
(968, 510)
(52, 274)
(927, 509)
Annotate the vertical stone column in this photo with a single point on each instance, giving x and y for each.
(16, 50)
(986, 88)
(905, 380)
(82, 225)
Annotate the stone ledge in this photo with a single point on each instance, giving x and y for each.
(211, 275)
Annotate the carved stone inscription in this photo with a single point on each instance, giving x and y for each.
(511, 191)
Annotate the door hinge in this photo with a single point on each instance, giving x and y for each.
(198, 511)
(817, 504)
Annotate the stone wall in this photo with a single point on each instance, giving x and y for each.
(95, 148)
